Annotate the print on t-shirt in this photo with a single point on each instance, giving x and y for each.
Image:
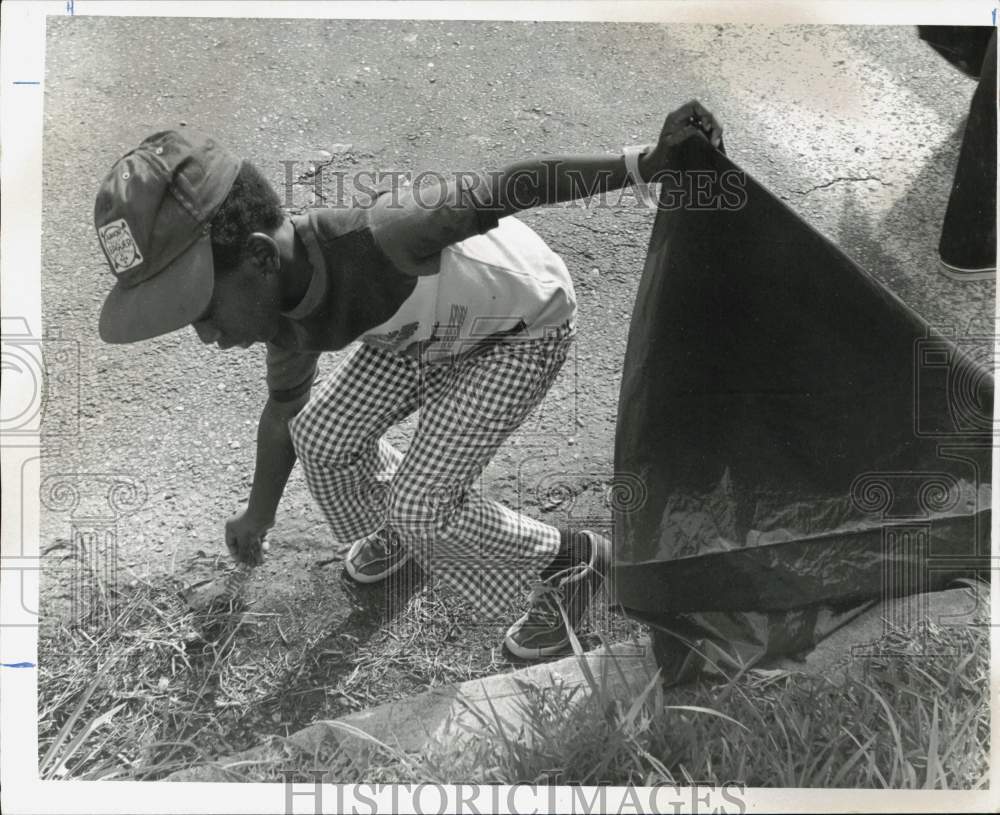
(391, 340)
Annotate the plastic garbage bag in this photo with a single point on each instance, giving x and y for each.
(799, 441)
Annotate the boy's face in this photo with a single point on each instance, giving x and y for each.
(245, 307)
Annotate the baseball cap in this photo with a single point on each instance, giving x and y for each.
(153, 218)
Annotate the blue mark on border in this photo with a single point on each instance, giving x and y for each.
(69, 7)
(18, 664)
(27, 82)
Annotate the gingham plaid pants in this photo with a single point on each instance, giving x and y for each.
(467, 408)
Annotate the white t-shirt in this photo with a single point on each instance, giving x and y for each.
(427, 276)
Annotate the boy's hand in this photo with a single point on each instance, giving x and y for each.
(688, 120)
(245, 537)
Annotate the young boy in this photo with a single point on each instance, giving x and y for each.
(461, 311)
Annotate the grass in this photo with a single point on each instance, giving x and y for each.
(160, 688)
(152, 694)
(137, 699)
(906, 721)
(422, 648)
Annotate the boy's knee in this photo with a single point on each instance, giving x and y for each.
(418, 509)
(300, 435)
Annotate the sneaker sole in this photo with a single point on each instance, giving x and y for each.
(537, 653)
(534, 653)
(958, 273)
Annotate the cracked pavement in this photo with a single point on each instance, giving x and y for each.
(838, 180)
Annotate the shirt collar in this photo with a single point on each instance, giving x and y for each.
(305, 228)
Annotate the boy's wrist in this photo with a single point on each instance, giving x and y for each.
(258, 514)
(641, 167)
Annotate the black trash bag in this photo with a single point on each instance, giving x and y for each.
(795, 443)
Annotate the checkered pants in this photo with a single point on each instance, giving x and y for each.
(467, 408)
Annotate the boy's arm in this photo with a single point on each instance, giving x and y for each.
(554, 179)
(290, 376)
(275, 458)
(414, 226)
(546, 180)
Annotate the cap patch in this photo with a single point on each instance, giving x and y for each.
(119, 246)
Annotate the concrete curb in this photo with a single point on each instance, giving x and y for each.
(454, 711)
(846, 651)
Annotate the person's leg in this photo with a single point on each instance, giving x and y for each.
(969, 233)
(479, 548)
(338, 438)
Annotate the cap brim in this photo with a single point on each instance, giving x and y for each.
(174, 298)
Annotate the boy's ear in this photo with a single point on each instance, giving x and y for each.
(263, 249)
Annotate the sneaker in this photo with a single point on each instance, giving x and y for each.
(374, 558)
(542, 632)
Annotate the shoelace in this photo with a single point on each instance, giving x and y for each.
(544, 600)
(561, 578)
(392, 541)
(389, 540)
